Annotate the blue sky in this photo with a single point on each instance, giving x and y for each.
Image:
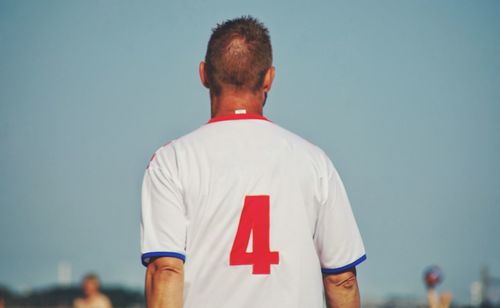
(403, 95)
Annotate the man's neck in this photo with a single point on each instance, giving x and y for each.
(232, 102)
(93, 296)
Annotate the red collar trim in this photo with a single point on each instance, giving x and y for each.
(243, 116)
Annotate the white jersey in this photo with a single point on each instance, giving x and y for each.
(255, 211)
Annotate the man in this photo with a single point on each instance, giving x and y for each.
(240, 212)
(93, 298)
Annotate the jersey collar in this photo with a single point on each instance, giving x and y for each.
(238, 117)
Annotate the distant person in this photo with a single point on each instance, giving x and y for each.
(92, 296)
(258, 214)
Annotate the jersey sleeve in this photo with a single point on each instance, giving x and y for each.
(163, 219)
(337, 237)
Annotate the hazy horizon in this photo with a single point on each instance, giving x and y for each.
(404, 96)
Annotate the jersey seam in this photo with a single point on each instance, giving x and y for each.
(336, 270)
(146, 256)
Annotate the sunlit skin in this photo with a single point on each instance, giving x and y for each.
(341, 290)
(90, 287)
(92, 298)
(232, 99)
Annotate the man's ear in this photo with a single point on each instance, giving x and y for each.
(203, 75)
(268, 79)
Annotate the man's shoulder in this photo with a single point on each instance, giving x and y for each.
(302, 142)
(207, 133)
(100, 300)
(78, 302)
(103, 299)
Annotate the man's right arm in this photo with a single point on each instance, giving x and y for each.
(165, 283)
(341, 290)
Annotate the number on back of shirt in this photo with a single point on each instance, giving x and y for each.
(254, 222)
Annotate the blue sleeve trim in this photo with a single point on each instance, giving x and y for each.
(343, 268)
(145, 258)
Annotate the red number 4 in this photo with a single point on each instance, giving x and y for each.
(255, 220)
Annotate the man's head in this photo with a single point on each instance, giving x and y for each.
(90, 285)
(239, 57)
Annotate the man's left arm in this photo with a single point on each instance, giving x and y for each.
(163, 231)
(165, 283)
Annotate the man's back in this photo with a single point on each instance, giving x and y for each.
(246, 203)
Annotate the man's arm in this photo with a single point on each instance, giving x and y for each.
(341, 290)
(165, 283)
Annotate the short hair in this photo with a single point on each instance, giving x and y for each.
(91, 276)
(239, 53)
